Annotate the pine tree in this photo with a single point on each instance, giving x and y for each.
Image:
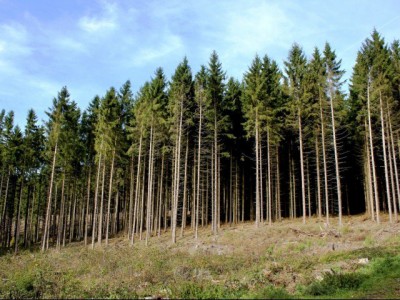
(296, 68)
(333, 77)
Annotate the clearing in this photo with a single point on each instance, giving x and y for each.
(288, 259)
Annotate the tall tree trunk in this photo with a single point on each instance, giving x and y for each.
(101, 215)
(149, 187)
(141, 217)
(308, 190)
(371, 144)
(131, 187)
(137, 189)
(389, 201)
(160, 202)
(369, 174)
(339, 189)
(260, 163)
(96, 196)
(303, 185)
(86, 212)
(110, 195)
(324, 162)
(392, 183)
(269, 180)
(318, 178)
(278, 185)
(183, 225)
(27, 217)
(48, 210)
(61, 218)
(177, 176)
(17, 220)
(257, 221)
(196, 216)
(396, 174)
(215, 182)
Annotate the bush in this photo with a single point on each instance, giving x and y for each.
(334, 283)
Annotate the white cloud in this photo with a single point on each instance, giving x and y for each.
(14, 40)
(71, 44)
(106, 21)
(169, 44)
(92, 24)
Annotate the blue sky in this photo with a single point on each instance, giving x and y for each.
(90, 46)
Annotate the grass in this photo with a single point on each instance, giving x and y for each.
(241, 262)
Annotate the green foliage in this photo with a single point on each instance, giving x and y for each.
(334, 283)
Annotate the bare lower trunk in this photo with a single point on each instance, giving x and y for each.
(96, 196)
(86, 212)
(339, 189)
(371, 144)
(110, 196)
(183, 225)
(318, 179)
(257, 223)
(103, 185)
(198, 175)
(389, 201)
(48, 210)
(137, 189)
(269, 181)
(303, 187)
(149, 188)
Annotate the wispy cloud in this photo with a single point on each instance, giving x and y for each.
(106, 21)
(92, 45)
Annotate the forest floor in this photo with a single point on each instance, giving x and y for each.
(285, 260)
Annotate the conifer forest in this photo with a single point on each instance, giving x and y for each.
(205, 150)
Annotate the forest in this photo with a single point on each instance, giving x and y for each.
(205, 150)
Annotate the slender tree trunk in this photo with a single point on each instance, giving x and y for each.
(260, 163)
(392, 183)
(30, 237)
(103, 185)
(141, 218)
(308, 190)
(86, 212)
(303, 187)
(48, 210)
(96, 196)
(389, 201)
(371, 144)
(318, 178)
(269, 180)
(183, 225)
(27, 217)
(369, 174)
(324, 162)
(198, 173)
(257, 223)
(396, 174)
(17, 220)
(339, 189)
(278, 185)
(175, 199)
(160, 200)
(131, 187)
(73, 217)
(149, 187)
(61, 218)
(110, 196)
(216, 185)
(137, 189)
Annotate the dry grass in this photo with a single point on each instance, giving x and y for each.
(240, 261)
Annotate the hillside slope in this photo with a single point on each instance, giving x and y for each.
(361, 259)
